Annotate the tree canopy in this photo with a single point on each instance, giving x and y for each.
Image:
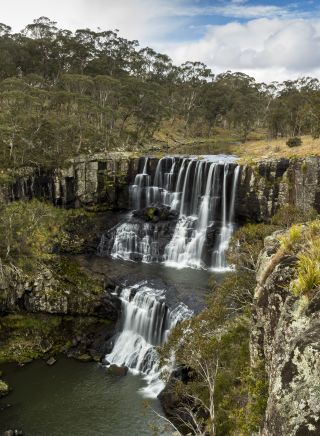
(63, 93)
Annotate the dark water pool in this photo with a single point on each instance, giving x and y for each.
(186, 285)
(73, 398)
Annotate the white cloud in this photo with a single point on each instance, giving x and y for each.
(272, 45)
(146, 20)
(269, 49)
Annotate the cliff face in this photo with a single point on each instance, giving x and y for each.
(104, 180)
(286, 335)
(268, 184)
(87, 181)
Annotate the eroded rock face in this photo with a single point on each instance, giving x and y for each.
(46, 293)
(286, 334)
(269, 184)
(88, 181)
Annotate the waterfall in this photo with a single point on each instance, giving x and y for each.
(202, 192)
(219, 261)
(146, 323)
(187, 252)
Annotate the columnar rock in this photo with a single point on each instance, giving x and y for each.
(268, 184)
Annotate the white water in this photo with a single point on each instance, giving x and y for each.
(203, 194)
(135, 242)
(219, 261)
(183, 251)
(146, 322)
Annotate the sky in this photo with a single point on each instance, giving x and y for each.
(271, 40)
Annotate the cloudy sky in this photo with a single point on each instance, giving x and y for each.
(268, 39)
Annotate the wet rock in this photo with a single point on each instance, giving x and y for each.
(84, 357)
(13, 433)
(4, 388)
(96, 357)
(155, 213)
(51, 361)
(120, 371)
(25, 362)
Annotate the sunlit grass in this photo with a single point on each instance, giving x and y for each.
(173, 138)
(267, 148)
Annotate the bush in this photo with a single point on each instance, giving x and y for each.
(291, 214)
(294, 142)
(246, 244)
(308, 270)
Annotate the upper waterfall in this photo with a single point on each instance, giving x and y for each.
(199, 192)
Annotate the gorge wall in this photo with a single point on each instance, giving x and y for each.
(285, 335)
(103, 180)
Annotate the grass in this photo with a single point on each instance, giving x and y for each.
(308, 269)
(172, 138)
(277, 148)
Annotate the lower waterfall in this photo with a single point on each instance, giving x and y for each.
(146, 323)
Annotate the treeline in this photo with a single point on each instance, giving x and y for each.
(64, 92)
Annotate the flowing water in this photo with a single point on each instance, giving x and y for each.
(202, 194)
(146, 323)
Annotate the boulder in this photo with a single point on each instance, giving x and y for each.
(84, 357)
(4, 388)
(120, 371)
(51, 361)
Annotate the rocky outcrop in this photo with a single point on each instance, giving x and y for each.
(87, 181)
(56, 293)
(266, 185)
(55, 309)
(286, 336)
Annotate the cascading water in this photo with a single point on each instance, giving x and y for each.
(202, 194)
(200, 197)
(146, 322)
(227, 228)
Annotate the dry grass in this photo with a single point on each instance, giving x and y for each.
(277, 148)
(172, 138)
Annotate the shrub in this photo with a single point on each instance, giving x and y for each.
(290, 214)
(294, 142)
(246, 244)
(308, 270)
(292, 238)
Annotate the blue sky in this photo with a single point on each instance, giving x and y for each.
(268, 39)
(199, 14)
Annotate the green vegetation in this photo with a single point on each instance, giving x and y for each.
(288, 215)
(29, 231)
(294, 142)
(307, 247)
(35, 232)
(63, 93)
(236, 398)
(25, 337)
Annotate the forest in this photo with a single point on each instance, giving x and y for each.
(63, 93)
